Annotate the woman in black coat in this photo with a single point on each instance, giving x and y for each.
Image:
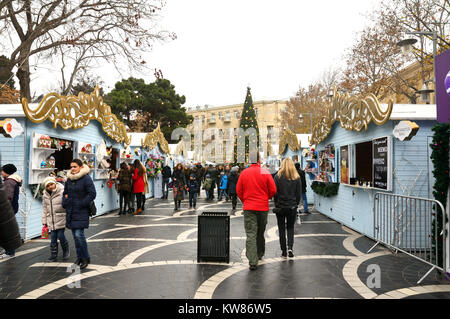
(287, 199)
(232, 182)
(79, 192)
(179, 185)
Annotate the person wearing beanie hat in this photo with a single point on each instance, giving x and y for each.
(54, 217)
(48, 180)
(11, 183)
(9, 169)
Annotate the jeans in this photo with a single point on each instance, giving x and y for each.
(223, 192)
(305, 203)
(255, 225)
(192, 199)
(80, 244)
(165, 186)
(125, 199)
(286, 220)
(10, 252)
(234, 200)
(55, 235)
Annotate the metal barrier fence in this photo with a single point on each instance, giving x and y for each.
(406, 223)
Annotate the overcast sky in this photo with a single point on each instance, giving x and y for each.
(273, 46)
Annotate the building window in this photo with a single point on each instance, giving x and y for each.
(220, 116)
(256, 111)
(203, 119)
(227, 116)
(236, 114)
(213, 118)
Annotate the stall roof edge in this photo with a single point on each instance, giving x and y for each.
(413, 112)
(14, 110)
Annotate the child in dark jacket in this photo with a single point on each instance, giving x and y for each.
(193, 191)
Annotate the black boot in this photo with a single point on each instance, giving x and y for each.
(53, 252)
(66, 251)
(84, 263)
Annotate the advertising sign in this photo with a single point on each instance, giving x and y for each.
(443, 87)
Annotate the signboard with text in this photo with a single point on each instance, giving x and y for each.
(381, 161)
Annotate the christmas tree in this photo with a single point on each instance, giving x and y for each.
(248, 121)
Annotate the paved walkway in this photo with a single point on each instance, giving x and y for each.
(154, 256)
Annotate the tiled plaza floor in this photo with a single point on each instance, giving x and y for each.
(154, 256)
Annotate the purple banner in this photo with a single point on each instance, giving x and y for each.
(443, 87)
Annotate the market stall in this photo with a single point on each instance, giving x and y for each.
(364, 148)
(56, 131)
(155, 150)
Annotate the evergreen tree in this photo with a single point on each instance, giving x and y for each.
(248, 120)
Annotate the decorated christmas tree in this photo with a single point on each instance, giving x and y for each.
(248, 120)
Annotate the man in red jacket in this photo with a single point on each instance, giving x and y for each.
(255, 188)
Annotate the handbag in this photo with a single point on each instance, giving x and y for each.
(44, 234)
(92, 209)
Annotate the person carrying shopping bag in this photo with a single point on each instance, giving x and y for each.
(287, 199)
(54, 217)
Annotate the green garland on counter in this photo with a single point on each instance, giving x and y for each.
(440, 159)
(325, 189)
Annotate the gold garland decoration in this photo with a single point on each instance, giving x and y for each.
(152, 139)
(181, 148)
(353, 114)
(289, 139)
(76, 112)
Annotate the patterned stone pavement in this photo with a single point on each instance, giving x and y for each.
(154, 256)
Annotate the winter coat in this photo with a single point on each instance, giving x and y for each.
(81, 192)
(166, 172)
(223, 182)
(232, 183)
(303, 179)
(179, 183)
(207, 184)
(138, 182)
(53, 214)
(255, 187)
(288, 192)
(12, 186)
(193, 186)
(124, 180)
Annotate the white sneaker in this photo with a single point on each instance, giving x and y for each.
(5, 256)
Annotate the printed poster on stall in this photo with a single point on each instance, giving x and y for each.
(345, 176)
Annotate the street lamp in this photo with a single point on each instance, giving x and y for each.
(300, 119)
(406, 46)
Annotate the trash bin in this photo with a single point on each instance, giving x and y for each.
(213, 243)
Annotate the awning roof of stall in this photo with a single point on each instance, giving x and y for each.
(304, 140)
(13, 110)
(355, 114)
(425, 112)
(70, 112)
(136, 138)
(173, 148)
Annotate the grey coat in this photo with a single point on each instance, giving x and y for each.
(53, 214)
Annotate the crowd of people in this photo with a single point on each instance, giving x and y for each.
(67, 202)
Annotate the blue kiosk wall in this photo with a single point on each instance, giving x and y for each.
(411, 164)
(17, 151)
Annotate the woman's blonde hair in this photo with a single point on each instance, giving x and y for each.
(288, 170)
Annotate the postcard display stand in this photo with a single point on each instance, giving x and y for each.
(327, 164)
(86, 154)
(101, 172)
(41, 161)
